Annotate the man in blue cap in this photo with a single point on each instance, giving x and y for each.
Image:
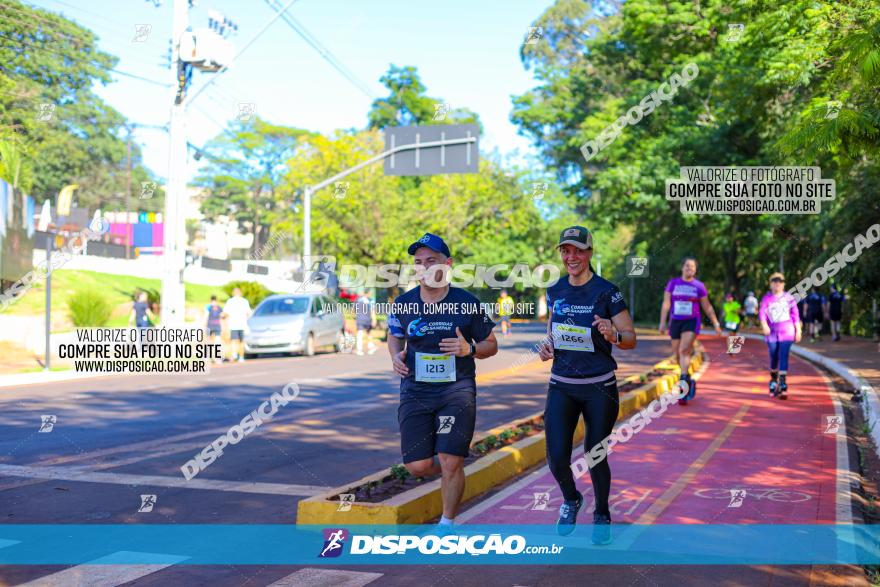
(436, 333)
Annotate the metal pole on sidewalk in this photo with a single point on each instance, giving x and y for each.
(307, 227)
(128, 203)
(48, 299)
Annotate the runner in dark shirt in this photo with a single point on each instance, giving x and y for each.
(835, 311)
(436, 333)
(141, 315)
(815, 304)
(587, 317)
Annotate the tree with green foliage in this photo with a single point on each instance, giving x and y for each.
(488, 217)
(244, 172)
(407, 104)
(756, 101)
(65, 132)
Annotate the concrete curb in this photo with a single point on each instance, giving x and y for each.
(423, 503)
(870, 401)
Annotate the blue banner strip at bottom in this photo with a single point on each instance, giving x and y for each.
(209, 544)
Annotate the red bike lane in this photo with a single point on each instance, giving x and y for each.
(734, 455)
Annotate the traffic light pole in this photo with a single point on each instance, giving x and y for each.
(49, 242)
(308, 191)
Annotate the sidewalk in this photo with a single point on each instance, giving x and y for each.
(733, 456)
(856, 361)
(859, 355)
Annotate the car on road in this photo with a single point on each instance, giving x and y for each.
(294, 323)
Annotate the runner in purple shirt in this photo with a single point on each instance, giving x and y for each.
(781, 323)
(682, 300)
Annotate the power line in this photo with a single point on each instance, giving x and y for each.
(89, 62)
(101, 16)
(322, 51)
(33, 22)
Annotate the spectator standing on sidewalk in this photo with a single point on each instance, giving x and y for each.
(236, 311)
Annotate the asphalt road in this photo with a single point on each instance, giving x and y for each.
(117, 438)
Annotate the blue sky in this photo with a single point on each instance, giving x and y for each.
(466, 52)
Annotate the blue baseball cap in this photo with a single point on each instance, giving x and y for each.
(433, 242)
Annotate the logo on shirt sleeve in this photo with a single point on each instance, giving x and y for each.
(617, 297)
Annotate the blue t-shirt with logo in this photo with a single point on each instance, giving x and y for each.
(423, 331)
(580, 350)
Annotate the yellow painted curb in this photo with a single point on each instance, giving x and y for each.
(423, 503)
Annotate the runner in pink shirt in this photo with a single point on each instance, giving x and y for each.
(684, 296)
(781, 324)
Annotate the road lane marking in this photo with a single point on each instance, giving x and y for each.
(513, 489)
(80, 475)
(312, 577)
(536, 474)
(145, 446)
(104, 572)
(662, 502)
(533, 365)
(164, 442)
(845, 479)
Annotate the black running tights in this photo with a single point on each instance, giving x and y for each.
(599, 404)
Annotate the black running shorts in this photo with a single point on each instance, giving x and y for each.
(676, 327)
(436, 418)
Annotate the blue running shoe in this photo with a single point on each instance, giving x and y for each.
(693, 389)
(601, 529)
(568, 513)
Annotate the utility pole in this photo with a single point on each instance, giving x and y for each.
(128, 231)
(207, 51)
(173, 305)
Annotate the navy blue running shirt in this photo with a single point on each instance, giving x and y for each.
(580, 350)
(815, 301)
(423, 331)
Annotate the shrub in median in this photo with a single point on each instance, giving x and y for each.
(253, 291)
(88, 308)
